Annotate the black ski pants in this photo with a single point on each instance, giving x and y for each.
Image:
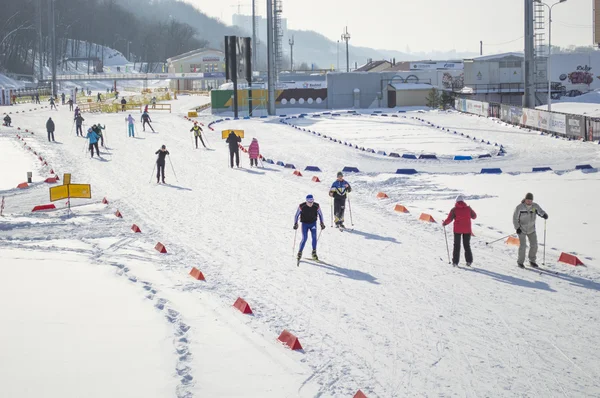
(160, 169)
(79, 130)
(144, 125)
(235, 152)
(92, 146)
(339, 207)
(201, 140)
(466, 240)
(253, 162)
(50, 135)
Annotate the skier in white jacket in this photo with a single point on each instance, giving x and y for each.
(524, 219)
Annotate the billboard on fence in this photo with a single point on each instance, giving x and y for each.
(516, 114)
(558, 123)
(505, 113)
(476, 107)
(575, 126)
(530, 117)
(543, 120)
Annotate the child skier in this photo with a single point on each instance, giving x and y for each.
(7, 121)
(462, 215)
(307, 213)
(254, 152)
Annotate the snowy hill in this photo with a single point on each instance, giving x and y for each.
(383, 312)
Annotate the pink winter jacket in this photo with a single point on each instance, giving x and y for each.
(253, 149)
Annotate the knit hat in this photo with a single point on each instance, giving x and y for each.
(460, 198)
(310, 198)
(339, 174)
(529, 196)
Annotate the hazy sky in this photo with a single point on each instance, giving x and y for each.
(421, 25)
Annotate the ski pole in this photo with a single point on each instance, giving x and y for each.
(152, 175)
(173, 169)
(193, 141)
(447, 248)
(350, 209)
(294, 247)
(544, 262)
(206, 138)
(331, 201)
(494, 241)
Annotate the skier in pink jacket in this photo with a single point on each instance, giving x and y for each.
(254, 152)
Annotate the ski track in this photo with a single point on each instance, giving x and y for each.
(377, 345)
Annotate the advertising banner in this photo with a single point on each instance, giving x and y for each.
(543, 121)
(558, 123)
(505, 113)
(530, 117)
(575, 126)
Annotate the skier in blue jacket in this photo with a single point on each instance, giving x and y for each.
(93, 137)
(339, 192)
(307, 213)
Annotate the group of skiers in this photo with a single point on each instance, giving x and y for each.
(524, 218)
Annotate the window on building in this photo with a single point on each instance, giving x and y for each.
(510, 64)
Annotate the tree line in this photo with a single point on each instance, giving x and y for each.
(102, 22)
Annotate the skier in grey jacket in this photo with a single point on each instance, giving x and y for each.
(524, 221)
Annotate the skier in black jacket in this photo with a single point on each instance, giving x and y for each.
(160, 163)
(78, 123)
(7, 121)
(234, 140)
(50, 129)
(308, 212)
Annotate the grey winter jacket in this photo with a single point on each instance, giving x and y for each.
(524, 218)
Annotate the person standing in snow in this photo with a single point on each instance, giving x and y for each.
(37, 98)
(93, 137)
(7, 121)
(62, 97)
(339, 192)
(123, 103)
(146, 120)
(197, 130)
(160, 163)
(462, 215)
(153, 102)
(130, 124)
(99, 98)
(50, 129)
(98, 130)
(254, 152)
(70, 102)
(234, 141)
(524, 219)
(78, 123)
(52, 104)
(307, 213)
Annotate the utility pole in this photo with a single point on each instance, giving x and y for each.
(346, 38)
(291, 41)
(270, 60)
(53, 45)
(254, 35)
(481, 47)
(338, 57)
(39, 28)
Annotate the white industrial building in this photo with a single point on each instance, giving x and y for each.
(208, 64)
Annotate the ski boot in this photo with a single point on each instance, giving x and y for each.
(299, 256)
(521, 265)
(533, 264)
(469, 264)
(314, 255)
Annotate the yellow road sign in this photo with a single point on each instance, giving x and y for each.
(225, 133)
(59, 192)
(82, 191)
(66, 178)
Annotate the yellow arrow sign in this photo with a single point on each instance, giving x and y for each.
(82, 191)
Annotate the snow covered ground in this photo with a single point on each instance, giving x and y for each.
(383, 312)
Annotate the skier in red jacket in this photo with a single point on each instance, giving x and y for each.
(461, 214)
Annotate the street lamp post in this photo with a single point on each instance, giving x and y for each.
(338, 56)
(549, 48)
(346, 37)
